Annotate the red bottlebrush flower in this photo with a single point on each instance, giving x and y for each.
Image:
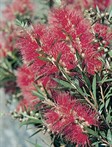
(75, 32)
(40, 67)
(74, 133)
(69, 117)
(54, 47)
(48, 71)
(38, 31)
(31, 47)
(72, 25)
(25, 79)
(28, 44)
(17, 7)
(28, 47)
(65, 19)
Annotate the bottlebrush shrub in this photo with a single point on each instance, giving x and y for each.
(67, 73)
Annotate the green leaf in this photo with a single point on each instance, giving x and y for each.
(107, 103)
(79, 59)
(94, 86)
(38, 88)
(109, 116)
(110, 53)
(75, 81)
(63, 83)
(79, 90)
(87, 81)
(103, 134)
(109, 136)
(47, 94)
(43, 58)
(39, 95)
(31, 121)
(92, 132)
(78, 70)
(21, 23)
(110, 13)
(85, 93)
(7, 64)
(64, 73)
(18, 22)
(108, 80)
(98, 10)
(98, 77)
(101, 107)
(109, 93)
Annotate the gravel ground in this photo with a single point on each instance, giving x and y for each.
(11, 135)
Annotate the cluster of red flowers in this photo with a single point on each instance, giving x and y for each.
(69, 118)
(67, 33)
(8, 35)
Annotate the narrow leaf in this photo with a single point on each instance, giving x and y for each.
(109, 135)
(94, 86)
(90, 131)
(42, 97)
(63, 83)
